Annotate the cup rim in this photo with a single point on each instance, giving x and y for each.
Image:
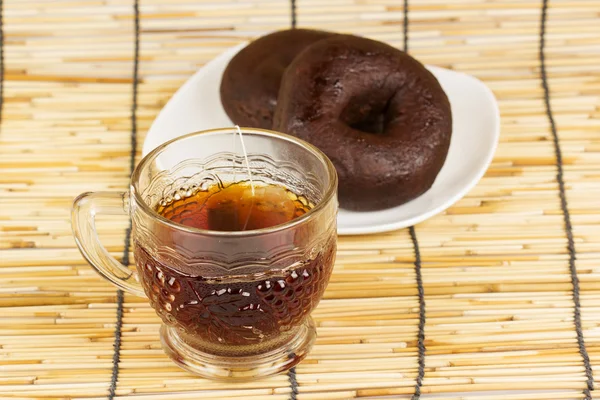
(329, 193)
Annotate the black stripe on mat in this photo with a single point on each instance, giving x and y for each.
(422, 318)
(405, 25)
(293, 12)
(133, 146)
(565, 209)
(419, 277)
(292, 372)
(293, 381)
(1, 58)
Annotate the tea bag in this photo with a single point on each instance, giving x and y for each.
(245, 206)
(237, 208)
(269, 206)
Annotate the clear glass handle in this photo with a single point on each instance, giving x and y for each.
(83, 221)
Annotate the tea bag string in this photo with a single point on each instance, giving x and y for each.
(239, 131)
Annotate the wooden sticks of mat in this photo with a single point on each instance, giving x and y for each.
(495, 267)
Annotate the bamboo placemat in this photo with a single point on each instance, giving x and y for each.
(499, 293)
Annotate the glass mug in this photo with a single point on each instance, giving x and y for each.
(234, 305)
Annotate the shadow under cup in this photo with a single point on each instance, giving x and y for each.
(235, 305)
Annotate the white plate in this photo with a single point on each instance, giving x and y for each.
(197, 106)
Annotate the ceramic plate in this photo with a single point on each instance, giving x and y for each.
(197, 106)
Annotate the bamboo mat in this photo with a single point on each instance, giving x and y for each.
(497, 298)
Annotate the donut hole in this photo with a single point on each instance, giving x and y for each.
(367, 114)
(373, 123)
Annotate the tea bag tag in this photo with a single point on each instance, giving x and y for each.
(239, 131)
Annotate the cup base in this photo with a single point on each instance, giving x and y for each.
(183, 353)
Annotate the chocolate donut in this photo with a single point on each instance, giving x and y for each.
(378, 114)
(251, 81)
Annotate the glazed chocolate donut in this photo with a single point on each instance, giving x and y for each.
(378, 113)
(251, 81)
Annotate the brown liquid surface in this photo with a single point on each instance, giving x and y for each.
(236, 208)
(242, 311)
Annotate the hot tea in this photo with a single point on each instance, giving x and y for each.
(236, 207)
(236, 310)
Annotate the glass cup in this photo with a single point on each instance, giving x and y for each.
(234, 305)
